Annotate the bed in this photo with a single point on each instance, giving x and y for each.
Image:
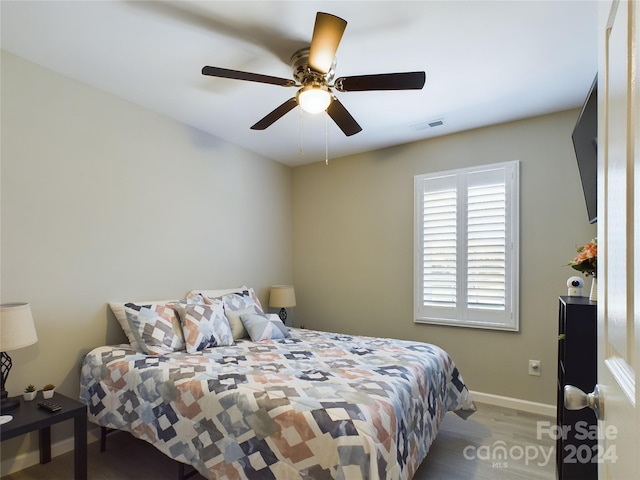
(284, 403)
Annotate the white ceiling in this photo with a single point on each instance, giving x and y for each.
(486, 62)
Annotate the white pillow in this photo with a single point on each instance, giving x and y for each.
(215, 293)
(226, 291)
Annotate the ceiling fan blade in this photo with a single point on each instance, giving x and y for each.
(327, 34)
(276, 39)
(382, 81)
(275, 114)
(343, 118)
(250, 77)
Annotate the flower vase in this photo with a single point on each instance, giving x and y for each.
(593, 295)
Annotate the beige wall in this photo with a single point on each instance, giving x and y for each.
(353, 247)
(102, 200)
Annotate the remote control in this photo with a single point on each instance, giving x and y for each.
(48, 405)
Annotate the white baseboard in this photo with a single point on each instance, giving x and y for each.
(27, 459)
(32, 457)
(515, 403)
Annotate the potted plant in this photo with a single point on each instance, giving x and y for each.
(29, 393)
(47, 390)
(586, 261)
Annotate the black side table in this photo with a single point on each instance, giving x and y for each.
(28, 417)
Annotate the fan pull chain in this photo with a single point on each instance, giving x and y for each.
(326, 138)
(301, 151)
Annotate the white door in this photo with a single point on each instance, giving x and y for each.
(619, 239)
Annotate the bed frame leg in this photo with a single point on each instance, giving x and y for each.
(182, 475)
(103, 438)
(104, 431)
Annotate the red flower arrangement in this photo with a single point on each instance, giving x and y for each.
(587, 259)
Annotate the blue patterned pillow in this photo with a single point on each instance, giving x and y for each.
(152, 327)
(155, 327)
(205, 326)
(264, 327)
(236, 304)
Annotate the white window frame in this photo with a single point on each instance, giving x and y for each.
(456, 310)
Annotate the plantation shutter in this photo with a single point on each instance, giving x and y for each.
(439, 236)
(466, 247)
(486, 241)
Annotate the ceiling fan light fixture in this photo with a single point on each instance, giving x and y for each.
(314, 98)
(313, 73)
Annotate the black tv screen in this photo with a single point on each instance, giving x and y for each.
(585, 144)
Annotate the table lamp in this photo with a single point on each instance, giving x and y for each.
(16, 331)
(282, 296)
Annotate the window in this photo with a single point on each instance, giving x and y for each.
(466, 247)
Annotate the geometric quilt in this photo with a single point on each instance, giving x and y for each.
(316, 405)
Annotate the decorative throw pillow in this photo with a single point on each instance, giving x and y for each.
(237, 327)
(118, 311)
(235, 304)
(205, 326)
(156, 327)
(136, 334)
(264, 327)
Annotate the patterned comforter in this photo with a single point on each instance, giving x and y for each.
(313, 406)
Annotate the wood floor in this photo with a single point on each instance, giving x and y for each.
(471, 448)
(463, 449)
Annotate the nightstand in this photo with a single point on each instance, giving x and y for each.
(28, 417)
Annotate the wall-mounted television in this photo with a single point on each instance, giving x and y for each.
(585, 144)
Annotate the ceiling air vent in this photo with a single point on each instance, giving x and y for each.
(429, 124)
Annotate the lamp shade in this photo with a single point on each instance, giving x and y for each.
(314, 98)
(282, 296)
(16, 326)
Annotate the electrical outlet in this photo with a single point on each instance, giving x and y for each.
(534, 367)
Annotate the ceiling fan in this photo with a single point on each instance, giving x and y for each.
(314, 70)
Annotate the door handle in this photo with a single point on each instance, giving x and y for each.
(576, 399)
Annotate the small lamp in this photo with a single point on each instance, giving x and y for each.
(16, 331)
(282, 296)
